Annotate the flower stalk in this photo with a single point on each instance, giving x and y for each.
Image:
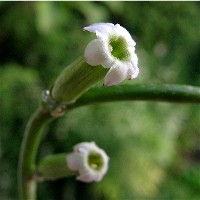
(35, 127)
(141, 92)
(53, 167)
(31, 140)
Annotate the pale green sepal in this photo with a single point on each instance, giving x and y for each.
(76, 79)
(53, 167)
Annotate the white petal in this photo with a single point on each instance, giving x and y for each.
(85, 145)
(89, 176)
(134, 71)
(100, 28)
(123, 32)
(75, 161)
(109, 61)
(95, 52)
(135, 74)
(134, 59)
(131, 50)
(116, 74)
(85, 177)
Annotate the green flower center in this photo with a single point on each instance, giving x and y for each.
(95, 161)
(119, 48)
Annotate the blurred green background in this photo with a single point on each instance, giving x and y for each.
(154, 148)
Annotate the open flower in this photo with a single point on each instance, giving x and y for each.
(114, 48)
(89, 160)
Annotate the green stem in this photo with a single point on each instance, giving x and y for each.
(164, 93)
(35, 128)
(33, 134)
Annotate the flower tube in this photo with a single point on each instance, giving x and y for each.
(87, 162)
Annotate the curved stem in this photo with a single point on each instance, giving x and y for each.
(33, 134)
(164, 93)
(35, 127)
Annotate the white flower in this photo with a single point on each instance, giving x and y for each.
(114, 48)
(89, 160)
